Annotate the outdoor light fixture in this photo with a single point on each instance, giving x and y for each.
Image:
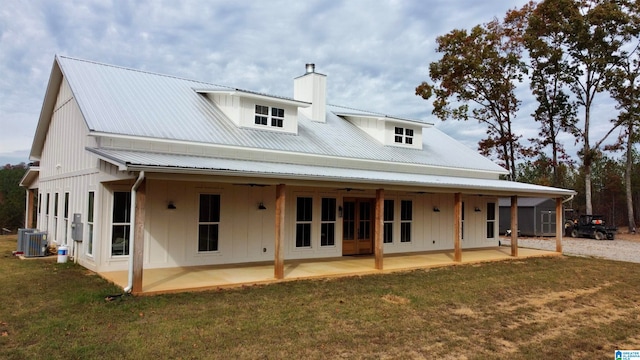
(436, 209)
(340, 211)
(262, 207)
(171, 206)
(477, 209)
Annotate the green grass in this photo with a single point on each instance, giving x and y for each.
(523, 309)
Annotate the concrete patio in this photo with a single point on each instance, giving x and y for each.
(195, 278)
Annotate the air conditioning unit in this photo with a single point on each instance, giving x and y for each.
(21, 240)
(35, 244)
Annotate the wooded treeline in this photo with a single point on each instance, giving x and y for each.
(569, 53)
(12, 197)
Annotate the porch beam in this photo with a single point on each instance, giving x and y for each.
(457, 233)
(514, 226)
(278, 267)
(138, 241)
(379, 229)
(559, 224)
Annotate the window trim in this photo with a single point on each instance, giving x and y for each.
(333, 221)
(269, 116)
(491, 220)
(91, 208)
(403, 135)
(216, 249)
(305, 222)
(388, 221)
(126, 224)
(406, 221)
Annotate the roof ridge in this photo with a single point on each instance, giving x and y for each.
(140, 71)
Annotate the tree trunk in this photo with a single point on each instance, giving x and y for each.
(627, 185)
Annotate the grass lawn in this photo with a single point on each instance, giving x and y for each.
(540, 308)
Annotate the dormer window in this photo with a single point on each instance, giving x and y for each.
(262, 116)
(403, 135)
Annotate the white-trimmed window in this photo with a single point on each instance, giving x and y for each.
(406, 217)
(66, 216)
(491, 220)
(265, 115)
(46, 218)
(90, 210)
(121, 223)
(388, 221)
(304, 217)
(403, 135)
(55, 217)
(39, 206)
(209, 223)
(328, 222)
(462, 223)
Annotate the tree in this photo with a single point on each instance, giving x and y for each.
(555, 112)
(591, 34)
(479, 68)
(624, 86)
(12, 196)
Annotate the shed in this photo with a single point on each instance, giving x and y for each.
(536, 216)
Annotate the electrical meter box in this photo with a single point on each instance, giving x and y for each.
(76, 227)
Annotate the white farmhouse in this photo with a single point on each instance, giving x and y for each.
(166, 172)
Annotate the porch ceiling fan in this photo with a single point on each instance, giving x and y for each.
(251, 185)
(350, 189)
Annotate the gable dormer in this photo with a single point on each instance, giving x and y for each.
(257, 111)
(389, 131)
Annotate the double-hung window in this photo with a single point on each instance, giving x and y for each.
(403, 135)
(304, 217)
(277, 117)
(46, 218)
(491, 220)
(55, 217)
(209, 222)
(121, 223)
(388, 221)
(90, 223)
(66, 216)
(406, 217)
(262, 114)
(328, 222)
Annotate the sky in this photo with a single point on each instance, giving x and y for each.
(374, 52)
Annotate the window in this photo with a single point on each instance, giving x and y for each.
(462, 223)
(328, 222)
(262, 113)
(262, 116)
(90, 223)
(388, 222)
(277, 117)
(121, 223)
(208, 222)
(303, 221)
(491, 220)
(66, 216)
(55, 217)
(403, 135)
(46, 219)
(406, 216)
(39, 206)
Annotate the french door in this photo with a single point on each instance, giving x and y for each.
(357, 226)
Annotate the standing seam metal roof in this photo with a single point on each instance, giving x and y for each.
(130, 102)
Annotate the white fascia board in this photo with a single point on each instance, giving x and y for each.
(385, 118)
(251, 95)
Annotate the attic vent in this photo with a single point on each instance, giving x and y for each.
(311, 68)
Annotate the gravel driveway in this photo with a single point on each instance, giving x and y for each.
(620, 250)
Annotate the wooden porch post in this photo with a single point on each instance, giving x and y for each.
(138, 241)
(30, 200)
(278, 268)
(457, 233)
(379, 228)
(514, 226)
(559, 224)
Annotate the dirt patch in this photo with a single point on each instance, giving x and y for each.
(395, 299)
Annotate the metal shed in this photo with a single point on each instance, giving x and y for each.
(536, 216)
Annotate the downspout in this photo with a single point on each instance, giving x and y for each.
(569, 199)
(132, 231)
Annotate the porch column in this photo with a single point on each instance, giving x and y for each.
(138, 241)
(379, 228)
(514, 226)
(457, 233)
(30, 204)
(278, 267)
(559, 224)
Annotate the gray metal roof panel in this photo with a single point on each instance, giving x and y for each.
(137, 160)
(130, 102)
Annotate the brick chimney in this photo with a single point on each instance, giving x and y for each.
(312, 87)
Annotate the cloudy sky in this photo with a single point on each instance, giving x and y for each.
(374, 52)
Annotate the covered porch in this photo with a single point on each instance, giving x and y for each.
(194, 278)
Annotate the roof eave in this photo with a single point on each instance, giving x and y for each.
(53, 87)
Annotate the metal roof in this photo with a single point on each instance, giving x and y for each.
(116, 100)
(151, 161)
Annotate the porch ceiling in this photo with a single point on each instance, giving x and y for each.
(176, 163)
(197, 278)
